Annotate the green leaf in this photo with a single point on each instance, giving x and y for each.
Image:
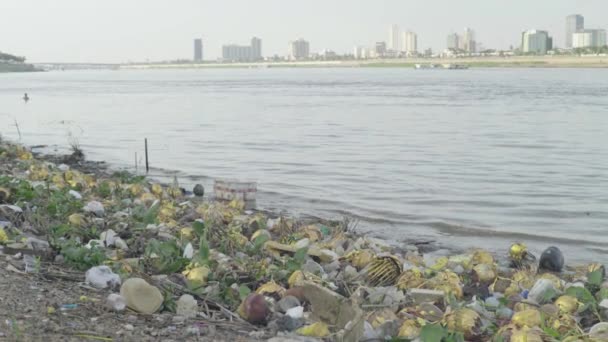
(552, 332)
(244, 291)
(199, 228)
(259, 242)
(549, 295)
(595, 278)
(151, 214)
(300, 255)
(601, 295)
(584, 296)
(433, 332)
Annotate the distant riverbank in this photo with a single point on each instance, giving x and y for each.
(17, 67)
(488, 62)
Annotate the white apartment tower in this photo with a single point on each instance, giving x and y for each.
(410, 42)
(393, 38)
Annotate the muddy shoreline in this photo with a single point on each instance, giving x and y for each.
(217, 271)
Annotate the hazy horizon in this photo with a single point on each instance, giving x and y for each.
(115, 31)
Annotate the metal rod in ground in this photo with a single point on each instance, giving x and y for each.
(135, 162)
(147, 166)
(18, 130)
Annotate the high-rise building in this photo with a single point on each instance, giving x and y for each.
(393, 38)
(536, 41)
(358, 52)
(256, 49)
(240, 53)
(453, 41)
(574, 24)
(589, 38)
(299, 49)
(410, 43)
(468, 39)
(198, 50)
(380, 49)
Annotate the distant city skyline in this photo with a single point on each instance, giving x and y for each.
(123, 31)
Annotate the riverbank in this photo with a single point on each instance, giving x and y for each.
(215, 271)
(479, 62)
(17, 67)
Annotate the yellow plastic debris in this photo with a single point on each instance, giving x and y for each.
(524, 279)
(384, 271)
(360, 258)
(563, 323)
(485, 273)
(378, 318)
(463, 321)
(440, 264)
(24, 155)
(295, 277)
(89, 180)
(410, 279)
(3, 236)
(4, 195)
(38, 172)
(58, 181)
(136, 189)
(527, 318)
(50, 310)
(157, 189)
(567, 304)
(198, 275)
(526, 335)
(167, 212)
(271, 288)
(174, 192)
(448, 282)
(409, 329)
(147, 198)
(258, 233)
(482, 257)
(187, 233)
(77, 220)
(518, 251)
(313, 233)
(318, 330)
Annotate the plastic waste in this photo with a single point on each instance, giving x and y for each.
(102, 277)
(141, 296)
(116, 302)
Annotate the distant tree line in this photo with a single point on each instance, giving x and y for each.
(11, 58)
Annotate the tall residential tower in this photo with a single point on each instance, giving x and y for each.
(299, 49)
(410, 43)
(574, 24)
(393, 38)
(198, 50)
(536, 41)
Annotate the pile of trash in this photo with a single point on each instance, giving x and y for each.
(156, 248)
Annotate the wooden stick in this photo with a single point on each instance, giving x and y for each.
(146, 144)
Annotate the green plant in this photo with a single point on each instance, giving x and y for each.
(80, 257)
(203, 249)
(127, 177)
(61, 204)
(103, 189)
(436, 332)
(165, 257)
(295, 263)
(146, 215)
(169, 303)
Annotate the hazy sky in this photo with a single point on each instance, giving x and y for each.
(138, 30)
